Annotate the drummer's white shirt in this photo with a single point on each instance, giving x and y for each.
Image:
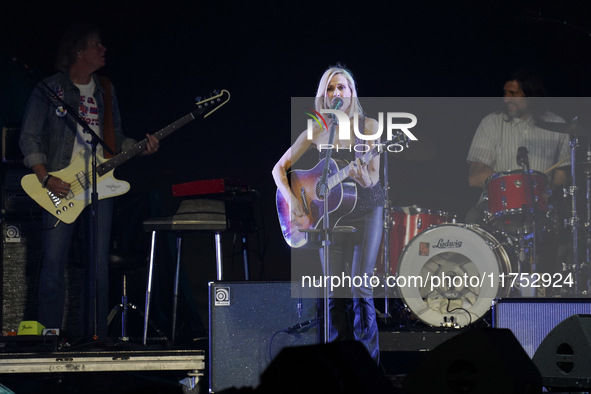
(496, 143)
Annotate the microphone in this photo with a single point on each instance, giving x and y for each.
(522, 156)
(337, 103)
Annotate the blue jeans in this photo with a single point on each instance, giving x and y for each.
(52, 286)
(352, 310)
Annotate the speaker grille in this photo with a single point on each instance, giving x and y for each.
(21, 258)
(531, 319)
(247, 320)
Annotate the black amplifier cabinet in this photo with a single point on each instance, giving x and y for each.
(11, 151)
(531, 319)
(249, 324)
(21, 251)
(21, 258)
(15, 202)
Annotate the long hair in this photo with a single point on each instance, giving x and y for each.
(322, 102)
(534, 90)
(75, 40)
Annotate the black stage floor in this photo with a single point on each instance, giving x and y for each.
(115, 366)
(401, 351)
(394, 365)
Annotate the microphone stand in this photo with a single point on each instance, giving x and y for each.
(324, 193)
(94, 142)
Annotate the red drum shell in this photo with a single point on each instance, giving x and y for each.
(404, 228)
(506, 193)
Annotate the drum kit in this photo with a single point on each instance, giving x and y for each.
(448, 274)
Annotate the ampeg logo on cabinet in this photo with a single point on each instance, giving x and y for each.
(13, 233)
(222, 296)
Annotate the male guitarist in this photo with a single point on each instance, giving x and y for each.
(50, 140)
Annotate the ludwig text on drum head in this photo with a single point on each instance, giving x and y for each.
(448, 275)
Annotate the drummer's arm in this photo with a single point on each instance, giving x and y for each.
(560, 177)
(479, 172)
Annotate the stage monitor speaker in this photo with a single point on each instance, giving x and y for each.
(337, 367)
(480, 360)
(249, 323)
(531, 319)
(564, 356)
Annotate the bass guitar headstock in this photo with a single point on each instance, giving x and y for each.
(207, 106)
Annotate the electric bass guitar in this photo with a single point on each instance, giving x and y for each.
(79, 172)
(305, 184)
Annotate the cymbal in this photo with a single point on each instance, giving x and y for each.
(565, 128)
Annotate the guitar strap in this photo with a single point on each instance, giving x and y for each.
(108, 128)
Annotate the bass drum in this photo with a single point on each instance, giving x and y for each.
(449, 274)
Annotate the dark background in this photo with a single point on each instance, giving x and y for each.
(161, 55)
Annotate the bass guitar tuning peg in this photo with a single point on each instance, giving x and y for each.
(198, 98)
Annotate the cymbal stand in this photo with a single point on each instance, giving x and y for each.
(521, 259)
(574, 220)
(587, 168)
(531, 207)
(386, 236)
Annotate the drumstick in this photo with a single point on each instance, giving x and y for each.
(556, 165)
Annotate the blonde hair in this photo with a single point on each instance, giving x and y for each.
(322, 102)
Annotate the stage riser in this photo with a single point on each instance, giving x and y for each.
(21, 255)
(532, 319)
(240, 333)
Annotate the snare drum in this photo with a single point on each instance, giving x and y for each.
(406, 223)
(507, 195)
(449, 274)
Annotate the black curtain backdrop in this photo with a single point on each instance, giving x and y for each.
(161, 56)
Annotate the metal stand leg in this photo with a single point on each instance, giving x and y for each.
(149, 287)
(218, 255)
(245, 257)
(123, 308)
(176, 284)
(124, 312)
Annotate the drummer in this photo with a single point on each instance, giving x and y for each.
(500, 134)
